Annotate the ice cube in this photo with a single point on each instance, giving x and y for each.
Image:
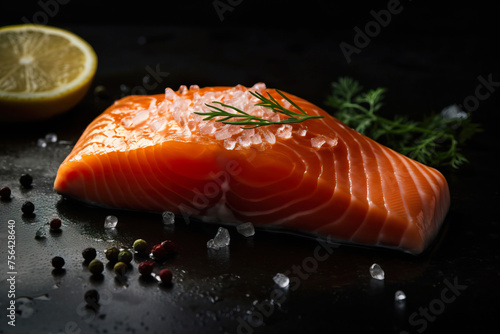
(51, 138)
(168, 218)
(110, 222)
(246, 229)
(377, 272)
(281, 279)
(220, 240)
(399, 296)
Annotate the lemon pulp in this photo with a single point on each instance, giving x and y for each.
(44, 71)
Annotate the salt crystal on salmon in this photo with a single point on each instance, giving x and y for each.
(320, 177)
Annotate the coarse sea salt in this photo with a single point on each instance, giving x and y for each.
(51, 137)
(399, 296)
(229, 144)
(284, 131)
(246, 229)
(178, 112)
(269, 136)
(41, 143)
(220, 240)
(110, 222)
(281, 280)
(377, 272)
(168, 218)
(317, 141)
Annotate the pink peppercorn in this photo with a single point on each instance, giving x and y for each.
(169, 246)
(159, 252)
(55, 224)
(166, 276)
(145, 268)
(5, 193)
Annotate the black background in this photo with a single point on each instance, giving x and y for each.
(436, 50)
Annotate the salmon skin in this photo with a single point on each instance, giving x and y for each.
(153, 153)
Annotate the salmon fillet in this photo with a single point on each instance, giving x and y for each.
(320, 177)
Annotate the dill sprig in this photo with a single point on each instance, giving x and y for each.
(248, 121)
(436, 140)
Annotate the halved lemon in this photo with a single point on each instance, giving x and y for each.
(44, 71)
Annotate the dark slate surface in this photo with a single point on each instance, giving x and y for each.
(427, 57)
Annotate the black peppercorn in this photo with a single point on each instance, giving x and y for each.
(89, 254)
(28, 208)
(26, 180)
(58, 262)
(5, 193)
(92, 298)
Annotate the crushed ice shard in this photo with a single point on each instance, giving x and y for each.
(220, 240)
(399, 296)
(110, 222)
(377, 272)
(168, 218)
(246, 229)
(281, 280)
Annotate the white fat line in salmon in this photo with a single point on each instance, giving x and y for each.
(297, 274)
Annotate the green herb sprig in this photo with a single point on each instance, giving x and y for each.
(248, 121)
(436, 140)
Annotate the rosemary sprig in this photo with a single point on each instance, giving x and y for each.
(435, 140)
(248, 121)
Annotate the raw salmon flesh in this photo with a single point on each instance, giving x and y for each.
(320, 177)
